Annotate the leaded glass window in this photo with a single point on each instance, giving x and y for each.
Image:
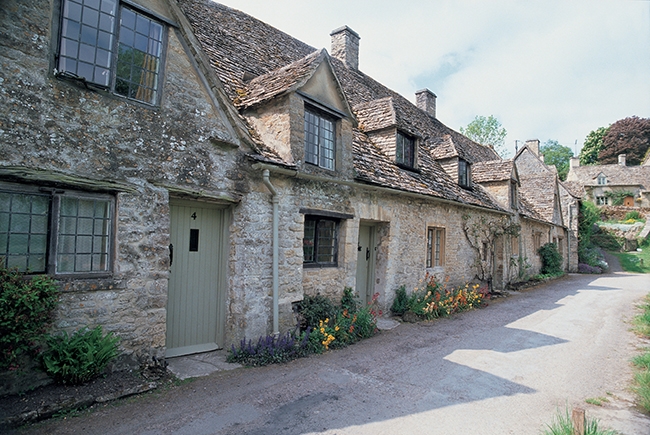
(405, 150)
(112, 47)
(319, 139)
(320, 241)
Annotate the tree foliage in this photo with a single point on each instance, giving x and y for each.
(629, 136)
(558, 155)
(487, 131)
(592, 146)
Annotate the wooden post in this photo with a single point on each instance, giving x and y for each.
(578, 419)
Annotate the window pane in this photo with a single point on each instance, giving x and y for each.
(326, 235)
(23, 230)
(308, 241)
(84, 227)
(81, 38)
(319, 140)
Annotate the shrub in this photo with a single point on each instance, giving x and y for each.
(589, 214)
(313, 309)
(400, 303)
(585, 268)
(80, 357)
(349, 301)
(633, 215)
(551, 259)
(26, 310)
(563, 425)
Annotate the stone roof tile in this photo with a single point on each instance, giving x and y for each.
(494, 170)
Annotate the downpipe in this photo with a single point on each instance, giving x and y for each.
(275, 200)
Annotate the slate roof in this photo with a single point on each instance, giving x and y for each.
(617, 175)
(538, 190)
(495, 170)
(256, 62)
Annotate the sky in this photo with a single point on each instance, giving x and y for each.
(546, 69)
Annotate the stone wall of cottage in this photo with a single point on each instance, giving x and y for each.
(386, 140)
(73, 133)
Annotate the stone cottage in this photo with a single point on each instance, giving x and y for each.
(549, 207)
(122, 170)
(615, 184)
(189, 173)
(368, 189)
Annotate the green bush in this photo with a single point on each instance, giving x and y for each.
(588, 216)
(400, 303)
(80, 357)
(633, 215)
(551, 259)
(607, 241)
(26, 310)
(313, 309)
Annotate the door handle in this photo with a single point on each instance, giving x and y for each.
(367, 254)
(171, 254)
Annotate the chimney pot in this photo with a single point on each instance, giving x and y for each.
(574, 162)
(345, 46)
(426, 100)
(621, 159)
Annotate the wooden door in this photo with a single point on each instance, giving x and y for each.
(195, 304)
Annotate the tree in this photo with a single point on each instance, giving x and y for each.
(592, 146)
(629, 136)
(487, 131)
(558, 155)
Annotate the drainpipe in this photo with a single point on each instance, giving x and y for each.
(275, 200)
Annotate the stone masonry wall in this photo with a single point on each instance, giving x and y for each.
(185, 143)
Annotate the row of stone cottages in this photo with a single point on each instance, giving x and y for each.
(188, 173)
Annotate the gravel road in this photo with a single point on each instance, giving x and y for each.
(504, 369)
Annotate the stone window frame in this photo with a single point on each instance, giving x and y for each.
(514, 246)
(537, 241)
(601, 180)
(514, 202)
(401, 159)
(320, 145)
(318, 230)
(144, 81)
(464, 173)
(601, 200)
(55, 232)
(436, 246)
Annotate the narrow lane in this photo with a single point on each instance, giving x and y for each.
(501, 370)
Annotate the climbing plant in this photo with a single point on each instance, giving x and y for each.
(482, 233)
(618, 196)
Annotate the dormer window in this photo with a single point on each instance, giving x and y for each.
(319, 138)
(464, 173)
(405, 150)
(602, 180)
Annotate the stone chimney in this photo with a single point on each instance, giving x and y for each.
(533, 145)
(574, 162)
(621, 159)
(426, 100)
(345, 46)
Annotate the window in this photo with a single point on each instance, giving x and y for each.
(405, 150)
(319, 139)
(602, 179)
(55, 232)
(514, 245)
(112, 47)
(537, 241)
(601, 200)
(464, 176)
(513, 195)
(435, 247)
(320, 241)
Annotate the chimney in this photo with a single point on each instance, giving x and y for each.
(621, 159)
(574, 162)
(426, 100)
(345, 46)
(533, 145)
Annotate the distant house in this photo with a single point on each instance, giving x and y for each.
(616, 184)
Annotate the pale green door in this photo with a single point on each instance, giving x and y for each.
(195, 305)
(366, 263)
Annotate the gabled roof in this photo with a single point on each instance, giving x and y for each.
(281, 81)
(617, 175)
(540, 191)
(241, 47)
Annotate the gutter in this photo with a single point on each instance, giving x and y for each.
(275, 200)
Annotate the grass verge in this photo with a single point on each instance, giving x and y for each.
(562, 425)
(637, 262)
(642, 362)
